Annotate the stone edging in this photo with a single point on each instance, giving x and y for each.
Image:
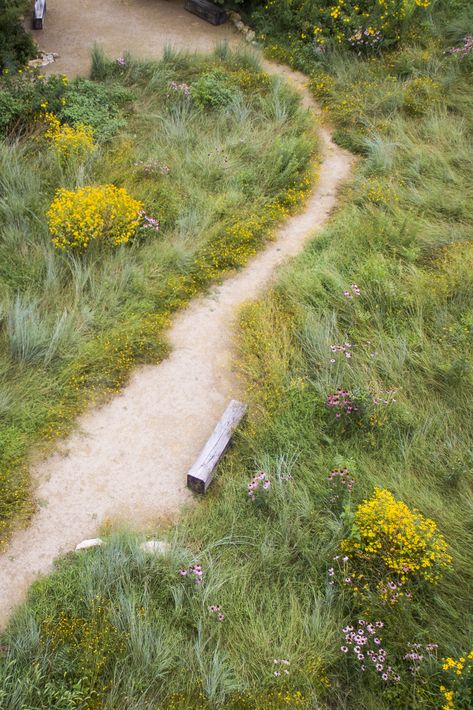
(248, 34)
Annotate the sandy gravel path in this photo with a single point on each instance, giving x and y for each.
(128, 459)
(144, 27)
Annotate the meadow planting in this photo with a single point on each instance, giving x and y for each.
(330, 565)
(121, 196)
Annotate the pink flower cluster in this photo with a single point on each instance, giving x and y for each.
(388, 398)
(465, 49)
(183, 88)
(261, 479)
(341, 401)
(345, 349)
(153, 166)
(363, 38)
(392, 590)
(342, 475)
(121, 61)
(194, 572)
(149, 222)
(216, 609)
(366, 646)
(284, 662)
(354, 291)
(415, 657)
(341, 568)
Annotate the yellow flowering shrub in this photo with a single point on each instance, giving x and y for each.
(104, 212)
(68, 141)
(460, 681)
(392, 546)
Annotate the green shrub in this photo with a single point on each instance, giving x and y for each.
(16, 45)
(214, 90)
(97, 105)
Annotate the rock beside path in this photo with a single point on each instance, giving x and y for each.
(43, 60)
(155, 547)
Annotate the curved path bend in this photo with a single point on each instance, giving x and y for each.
(128, 459)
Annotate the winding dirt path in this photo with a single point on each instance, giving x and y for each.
(128, 459)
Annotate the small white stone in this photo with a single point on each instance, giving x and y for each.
(155, 547)
(85, 544)
(239, 25)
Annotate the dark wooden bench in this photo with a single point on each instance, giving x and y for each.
(207, 11)
(38, 14)
(201, 473)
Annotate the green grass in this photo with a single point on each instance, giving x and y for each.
(73, 326)
(403, 234)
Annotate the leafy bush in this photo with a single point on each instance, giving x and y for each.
(105, 213)
(97, 105)
(16, 45)
(25, 94)
(215, 90)
(391, 546)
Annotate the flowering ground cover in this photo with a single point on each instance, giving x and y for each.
(120, 198)
(259, 603)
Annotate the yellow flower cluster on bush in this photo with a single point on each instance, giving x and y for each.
(391, 546)
(68, 141)
(461, 681)
(104, 212)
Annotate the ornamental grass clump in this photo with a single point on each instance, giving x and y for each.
(69, 142)
(391, 547)
(102, 213)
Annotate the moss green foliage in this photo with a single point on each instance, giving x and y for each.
(73, 325)
(16, 45)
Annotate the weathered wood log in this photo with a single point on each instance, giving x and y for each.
(207, 11)
(38, 14)
(201, 473)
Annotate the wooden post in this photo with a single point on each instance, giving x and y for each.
(201, 473)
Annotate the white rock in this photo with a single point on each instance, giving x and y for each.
(85, 544)
(239, 25)
(155, 547)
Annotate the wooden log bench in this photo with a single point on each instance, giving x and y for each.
(207, 11)
(201, 473)
(38, 14)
